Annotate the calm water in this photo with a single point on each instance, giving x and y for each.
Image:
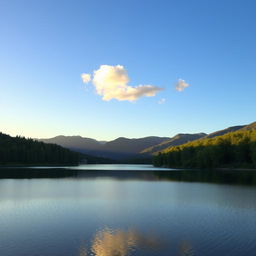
(110, 167)
(119, 212)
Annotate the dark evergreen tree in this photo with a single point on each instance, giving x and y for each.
(19, 150)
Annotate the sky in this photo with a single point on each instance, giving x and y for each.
(108, 69)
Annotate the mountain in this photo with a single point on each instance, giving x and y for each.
(235, 147)
(77, 143)
(251, 126)
(130, 147)
(22, 151)
(224, 131)
(115, 149)
(125, 148)
(178, 139)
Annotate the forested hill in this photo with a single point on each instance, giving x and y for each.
(178, 139)
(19, 150)
(234, 149)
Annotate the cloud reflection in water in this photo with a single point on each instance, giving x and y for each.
(109, 242)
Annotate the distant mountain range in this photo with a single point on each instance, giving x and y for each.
(119, 148)
(124, 148)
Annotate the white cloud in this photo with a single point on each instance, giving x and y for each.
(162, 101)
(86, 78)
(111, 82)
(181, 85)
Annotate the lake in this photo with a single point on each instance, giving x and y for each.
(126, 210)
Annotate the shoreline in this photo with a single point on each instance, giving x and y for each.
(213, 169)
(178, 169)
(35, 165)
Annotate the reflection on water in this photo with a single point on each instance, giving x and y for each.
(118, 242)
(110, 242)
(127, 213)
(186, 249)
(110, 167)
(133, 172)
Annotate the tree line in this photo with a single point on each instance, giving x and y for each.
(19, 150)
(234, 149)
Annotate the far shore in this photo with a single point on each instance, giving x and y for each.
(72, 165)
(35, 165)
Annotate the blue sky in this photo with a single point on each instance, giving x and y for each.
(45, 46)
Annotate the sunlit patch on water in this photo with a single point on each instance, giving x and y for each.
(118, 242)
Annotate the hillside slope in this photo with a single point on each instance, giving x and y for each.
(184, 138)
(233, 149)
(178, 139)
(224, 131)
